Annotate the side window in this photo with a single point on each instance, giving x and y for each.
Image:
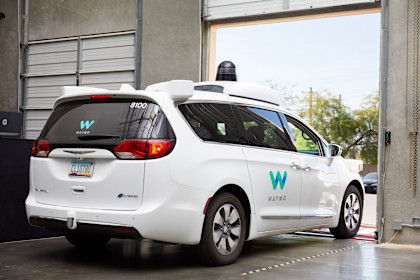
(264, 129)
(211, 121)
(305, 141)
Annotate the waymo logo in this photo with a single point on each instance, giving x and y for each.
(86, 124)
(278, 179)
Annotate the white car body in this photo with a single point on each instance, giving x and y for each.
(165, 199)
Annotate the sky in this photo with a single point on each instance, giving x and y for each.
(339, 55)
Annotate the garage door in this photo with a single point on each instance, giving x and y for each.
(104, 61)
(228, 9)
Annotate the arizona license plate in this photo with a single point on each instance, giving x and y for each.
(81, 168)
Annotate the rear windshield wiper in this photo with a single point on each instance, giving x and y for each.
(97, 136)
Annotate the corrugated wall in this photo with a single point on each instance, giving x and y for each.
(104, 61)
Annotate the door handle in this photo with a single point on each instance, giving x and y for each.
(294, 165)
(307, 168)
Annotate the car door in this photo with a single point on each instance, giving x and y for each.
(274, 169)
(320, 182)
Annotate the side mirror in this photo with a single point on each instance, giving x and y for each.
(334, 150)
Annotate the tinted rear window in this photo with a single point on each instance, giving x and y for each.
(106, 123)
(211, 122)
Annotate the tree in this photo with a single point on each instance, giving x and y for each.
(290, 100)
(355, 130)
(367, 131)
(332, 119)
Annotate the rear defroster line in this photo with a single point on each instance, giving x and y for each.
(299, 260)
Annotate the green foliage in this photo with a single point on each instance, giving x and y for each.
(302, 144)
(355, 130)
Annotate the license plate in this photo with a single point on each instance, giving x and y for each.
(81, 168)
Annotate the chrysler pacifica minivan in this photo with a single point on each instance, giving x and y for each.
(209, 164)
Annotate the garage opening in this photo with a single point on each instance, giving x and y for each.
(326, 68)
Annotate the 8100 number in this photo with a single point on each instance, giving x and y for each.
(138, 105)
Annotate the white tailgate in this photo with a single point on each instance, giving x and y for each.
(114, 184)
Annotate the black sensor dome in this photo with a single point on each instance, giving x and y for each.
(226, 71)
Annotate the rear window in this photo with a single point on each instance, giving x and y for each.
(211, 121)
(105, 123)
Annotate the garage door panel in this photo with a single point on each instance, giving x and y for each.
(35, 121)
(108, 64)
(105, 53)
(109, 41)
(108, 53)
(226, 9)
(53, 68)
(110, 81)
(50, 58)
(45, 91)
(41, 102)
(105, 62)
(42, 91)
(64, 80)
(51, 47)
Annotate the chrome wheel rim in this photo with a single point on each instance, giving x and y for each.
(352, 212)
(226, 229)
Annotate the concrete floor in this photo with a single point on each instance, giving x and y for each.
(289, 256)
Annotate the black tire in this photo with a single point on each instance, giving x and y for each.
(223, 235)
(350, 214)
(87, 241)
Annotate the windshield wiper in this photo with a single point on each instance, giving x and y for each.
(97, 136)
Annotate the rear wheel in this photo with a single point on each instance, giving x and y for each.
(87, 241)
(350, 214)
(224, 230)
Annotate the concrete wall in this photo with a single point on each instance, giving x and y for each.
(400, 202)
(9, 56)
(65, 18)
(170, 32)
(170, 41)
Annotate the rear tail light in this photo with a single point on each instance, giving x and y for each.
(158, 148)
(131, 149)
(41, 148)
(143, 149)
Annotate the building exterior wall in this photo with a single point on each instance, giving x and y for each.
(9, 50)
(170, 41)
(399, 200)
(66, 18)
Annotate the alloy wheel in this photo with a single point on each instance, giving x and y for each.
(226, 229)
(352, 211)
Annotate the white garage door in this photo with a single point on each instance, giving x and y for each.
(227, 9)
(104, 61)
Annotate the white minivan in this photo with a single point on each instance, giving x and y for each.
(209, 164)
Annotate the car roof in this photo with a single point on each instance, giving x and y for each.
(187, 91)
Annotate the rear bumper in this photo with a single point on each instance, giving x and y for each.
(177, 219)
(105, 230)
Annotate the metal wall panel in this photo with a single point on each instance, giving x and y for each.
(110, 80)
(108, 53)
(42, 91)
(104, 61)
(227, 9)
(52, 58)
(34, 122)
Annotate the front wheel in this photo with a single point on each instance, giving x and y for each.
(224, 230)
(350, 214)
